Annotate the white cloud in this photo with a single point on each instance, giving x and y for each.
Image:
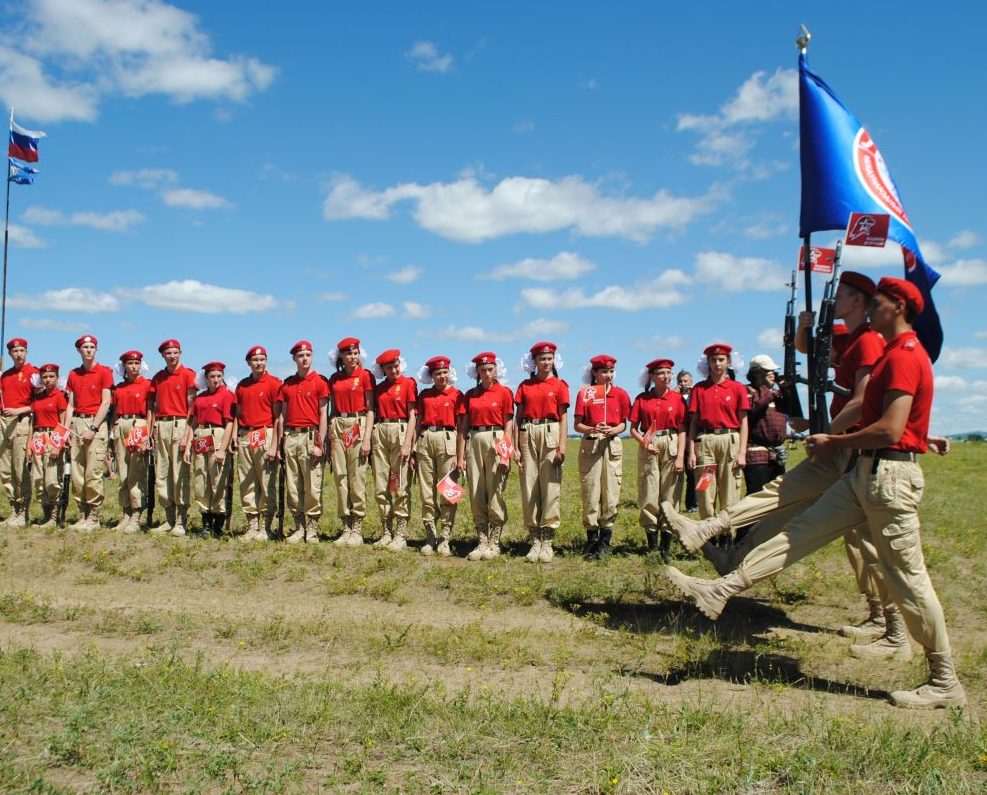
(70, 299)
(739, 274)
(726, 136)
(146, 178)
(950, 383)
(964, 273)
(865, 258)
(564, 265)
(194, 199)
(467, 211)
(22, 237)
(964, 239)
(765, 229)
(47, 324)
(415, 311)
(770, 338)
(405, 275)
(535, 328)
(590, 85)
(658, 293)
(373, 310)
(981, 335)
(116, 47)
(428, 58)
(962, 358)
(524, 127)
(332, 296)
(115, 221)
(192, 295)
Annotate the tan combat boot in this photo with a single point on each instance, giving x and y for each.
(356, 532)
(710, 596)
(942, 690)
(892, 645)
(253, 529)
(428, 548)
(547, 554)
(443, 550)
(124, 522)
(493, 542)
(167, 524)
(344, 537)
(299, 535)
(536, 542)
(134, 525)
(481, 547)
(82, 522)
(694, 534)
(312, 529)
(871, 627)
(387, 537)
(400, 541)
(181, 518)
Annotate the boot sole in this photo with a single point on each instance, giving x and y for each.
(942, 703)
(712, 610)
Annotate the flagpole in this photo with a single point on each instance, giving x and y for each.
(6, 242)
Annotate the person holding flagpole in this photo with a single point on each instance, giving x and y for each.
(16, 391)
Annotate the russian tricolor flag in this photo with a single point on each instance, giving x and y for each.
(23, 143)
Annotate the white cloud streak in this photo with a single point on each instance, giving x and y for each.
(535, 328)
(660, 292)
(48, 324)
(80, 300)
(22, 237)
(372, 311)
(146, 178)
(405, 275)
(427, 58)
(192, 199)
(734, 274)
(564, 265)
(114, 221)
(191, 295)
(964, 273)
(416, 311)
(962, 358)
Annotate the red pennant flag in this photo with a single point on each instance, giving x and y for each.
(203, 444)
(707, 477)
(257, 438)
(394, 481)
(504, 448)
(450, 490)
(39, 443)
(136, 437)
(868, 229)
(59, 436)
(351, 436)
(649, 436)
(821, 260)
(590, 394)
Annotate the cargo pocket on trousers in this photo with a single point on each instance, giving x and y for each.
(882, 486)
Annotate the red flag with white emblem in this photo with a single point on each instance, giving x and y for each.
(450, 490)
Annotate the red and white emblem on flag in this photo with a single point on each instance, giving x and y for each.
(351, 436)
(591, 393)
(706, 478)
(649, 436)
(450, 490)
(136, 437)
(39, 443)
(821, 260)
(868, 229)
(394, 481)
(203, 445)
(504, 448)
(59, 436)
(256, 438)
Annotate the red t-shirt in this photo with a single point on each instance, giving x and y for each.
(863, 348)
(349, 391)
(905, 367)
(493, 406)
(213, 408)
(301, 398)
(48, 408)
(16, 389)
(594, 405)
(256, 400)
(171, 392)
(395, 399)
(719, 405)
(437, 407)
(542, 399)
(87, 388)
(132, 397)
(663, 412)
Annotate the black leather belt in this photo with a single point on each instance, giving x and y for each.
(209, 425)
(44, 427)
(537, 422)
(352, 414)
(169, 419)
(130, 416)
(306, 429)
(83, 416)
(890, 455)
(438, 428)
(481, 428)
(719, 431)
(248, 428)
(666, 432)
(391, 422)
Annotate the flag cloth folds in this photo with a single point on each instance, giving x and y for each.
(23, 143)
(20, 175)
(843, 172)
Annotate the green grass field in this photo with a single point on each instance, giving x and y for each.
(145, 664)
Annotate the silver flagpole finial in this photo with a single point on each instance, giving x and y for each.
(803, 39)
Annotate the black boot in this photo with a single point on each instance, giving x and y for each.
(592, 548)
(604, 551)
(218, 524)
(665, 546)
(652, 534)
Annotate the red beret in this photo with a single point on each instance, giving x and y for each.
(86, 338)
(301, 345)
(16, 342)
(486, 357)
(858, 281)
(901, 290)
(131, 355)
(660, 364)
(347, 342)
(210, 366)
(257, 350)
(543, 347)
(438, 363)
(49, 368)
(172, 343)
(388, 356)
(718, 349)
(603, 361)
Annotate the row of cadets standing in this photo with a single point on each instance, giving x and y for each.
(15, 428)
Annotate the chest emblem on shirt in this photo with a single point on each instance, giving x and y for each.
(727, 398)
(397, 389)
(356, 383)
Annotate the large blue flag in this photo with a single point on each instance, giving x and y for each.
(843, 172)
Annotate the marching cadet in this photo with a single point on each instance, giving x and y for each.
(15, 431)
(351, 428)
(718, 409)
(48, 407)
(131, 399)
(258, 418)
(435, 453)
(395, 399)
(88, 389)
(601, 414)
(208, 435)
(540, 439)
(485, 421)
(658, 425)
(303, 398)
(174, 391)
(883, 490)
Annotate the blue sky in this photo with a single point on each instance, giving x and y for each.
(450, 177)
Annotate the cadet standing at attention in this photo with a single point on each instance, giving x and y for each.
(131, 399)
(48, 406)
(15, 430)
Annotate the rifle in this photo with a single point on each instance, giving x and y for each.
(150, 487)
(229, 494)
(63, 497)
(281, 479)
(792, 405)
(819, 380)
